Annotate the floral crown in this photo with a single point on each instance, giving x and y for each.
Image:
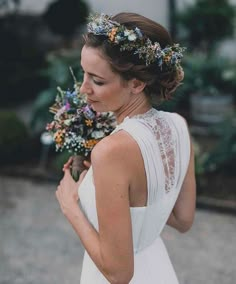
(134, 40)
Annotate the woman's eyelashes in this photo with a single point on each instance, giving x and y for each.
(99, 83)
(91, 77)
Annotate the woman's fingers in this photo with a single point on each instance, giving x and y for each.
(68, 164)
(67, 173)
(87, 164)
(67, 191)
(82, 175)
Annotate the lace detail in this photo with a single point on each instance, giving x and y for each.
(157, 121)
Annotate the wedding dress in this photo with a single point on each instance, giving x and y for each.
(164, 142)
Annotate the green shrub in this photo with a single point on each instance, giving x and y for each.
(223, 157)
(13, 137)
(211, 76)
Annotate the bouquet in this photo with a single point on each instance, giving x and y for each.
(76, 127)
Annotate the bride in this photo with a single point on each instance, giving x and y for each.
(142, 175)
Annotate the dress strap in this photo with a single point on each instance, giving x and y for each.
(150, 154)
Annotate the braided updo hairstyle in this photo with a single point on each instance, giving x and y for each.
(160, 83)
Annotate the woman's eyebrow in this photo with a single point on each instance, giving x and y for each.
(90, 73)
(95, 75)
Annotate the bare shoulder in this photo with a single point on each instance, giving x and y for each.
(114, 147)
(118, 156)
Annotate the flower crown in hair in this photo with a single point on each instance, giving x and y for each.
(134, 40)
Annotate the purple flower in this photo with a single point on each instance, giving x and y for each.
(88, 113)
(67, 106)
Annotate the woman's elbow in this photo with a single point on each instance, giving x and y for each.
(118, 276)
(121, 279)
(185, 225)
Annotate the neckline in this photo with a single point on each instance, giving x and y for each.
(149, 112)
(140, 115)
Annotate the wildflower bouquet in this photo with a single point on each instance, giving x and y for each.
(76, 127)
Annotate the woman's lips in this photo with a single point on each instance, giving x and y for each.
(90, 101)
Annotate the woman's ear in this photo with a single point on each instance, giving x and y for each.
(137, 86)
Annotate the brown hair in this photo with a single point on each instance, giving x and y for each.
(161, 83)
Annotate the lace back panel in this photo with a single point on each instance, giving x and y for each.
(167, 145)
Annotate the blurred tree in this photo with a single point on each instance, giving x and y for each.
(207, 22)
(63, 17)
(21, 58)
(24, 43)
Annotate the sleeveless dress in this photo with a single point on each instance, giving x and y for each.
(164, 142)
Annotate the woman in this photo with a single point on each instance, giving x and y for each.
(142, 175)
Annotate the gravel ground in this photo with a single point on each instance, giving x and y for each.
(38, 246)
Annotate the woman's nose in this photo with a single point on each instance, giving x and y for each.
(85, 87)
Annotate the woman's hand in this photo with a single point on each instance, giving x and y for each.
(87, 164)
(67, 190)
(81, 163)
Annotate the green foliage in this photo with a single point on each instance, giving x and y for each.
(58, 74)
(206, 22)
(223, 156)
(211, 76)
(13, 137)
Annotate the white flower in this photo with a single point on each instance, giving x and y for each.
(97, 134)
(132, 37)
(127, 32)
(93, 25)
(67, 122)
(118, 38)
(99, 125)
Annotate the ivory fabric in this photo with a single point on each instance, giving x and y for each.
(164, 143)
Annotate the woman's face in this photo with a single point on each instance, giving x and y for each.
(105, 89)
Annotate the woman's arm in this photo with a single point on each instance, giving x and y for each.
(111, 248)
(182, 215)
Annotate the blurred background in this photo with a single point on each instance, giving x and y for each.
(40, 40)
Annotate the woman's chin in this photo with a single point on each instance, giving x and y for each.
(97, 107)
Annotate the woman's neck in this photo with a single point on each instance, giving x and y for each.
(140, 105)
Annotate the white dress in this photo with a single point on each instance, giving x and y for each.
(164, 142)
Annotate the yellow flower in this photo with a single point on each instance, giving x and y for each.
(89, 122)
(90, 143)
(59, 137)
(112, 34)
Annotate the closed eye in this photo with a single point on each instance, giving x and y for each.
(99, 83)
